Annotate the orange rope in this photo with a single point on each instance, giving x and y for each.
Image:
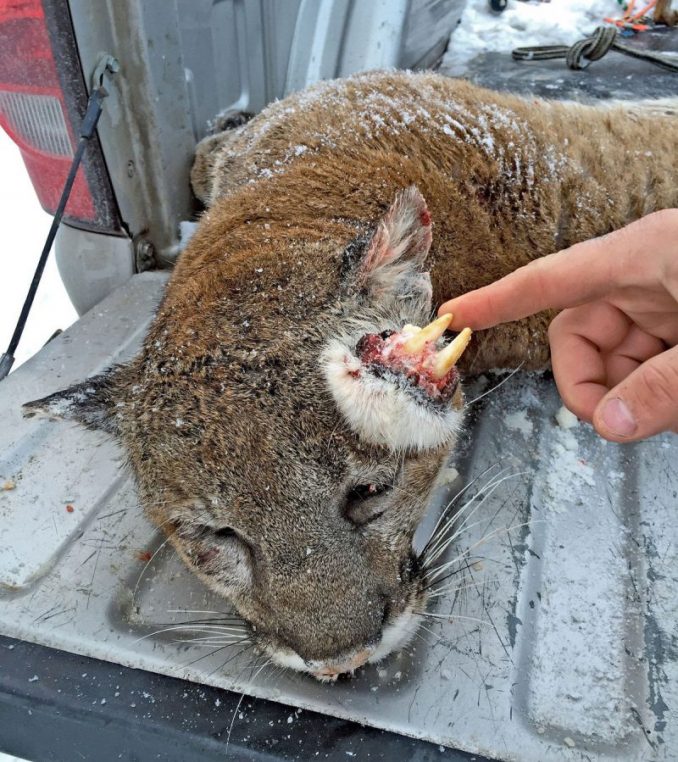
(629, 19)
(644, 12)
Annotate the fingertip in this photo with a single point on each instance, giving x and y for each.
(451, 308)
(581, 399)
(614, 420)
(578, 369)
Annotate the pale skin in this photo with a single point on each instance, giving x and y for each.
(614, 345)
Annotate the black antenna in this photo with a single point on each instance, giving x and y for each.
(87, 128)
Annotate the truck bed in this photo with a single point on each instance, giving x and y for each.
(556, 640)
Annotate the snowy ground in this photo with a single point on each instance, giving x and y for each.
(523, 24)
(25, 227)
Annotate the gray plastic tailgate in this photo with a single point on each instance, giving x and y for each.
(563, 641)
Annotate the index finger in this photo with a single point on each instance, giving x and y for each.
(570, 277)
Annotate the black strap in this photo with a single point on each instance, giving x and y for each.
(583, 52)
(89, 123)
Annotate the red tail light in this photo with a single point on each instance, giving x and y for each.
(41, 106)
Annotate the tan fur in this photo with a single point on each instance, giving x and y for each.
(227, 417)
(554, 175)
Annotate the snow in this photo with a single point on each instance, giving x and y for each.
(522, 24)
(25, 229)
(566, 419)
(518, 421)
(186, 231)
(578, 671)
(568, 473)
(382, 115)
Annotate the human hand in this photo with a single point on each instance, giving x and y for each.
(614, 345)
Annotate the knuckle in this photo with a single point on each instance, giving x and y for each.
(561, 325)
(553, 329)
(541, 274)
(575, 404)
(647, 234)
(571, 400)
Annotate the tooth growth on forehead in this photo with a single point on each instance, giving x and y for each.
(419, 337)
(446, 358)
(412, 353)
(396, 388)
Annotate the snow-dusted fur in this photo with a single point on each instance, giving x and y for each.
(293, 497)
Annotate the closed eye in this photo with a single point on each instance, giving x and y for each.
(224, 532)
(229, 538)
(363, 505)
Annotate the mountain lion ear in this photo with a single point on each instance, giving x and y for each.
(92, 403)
(392, 258)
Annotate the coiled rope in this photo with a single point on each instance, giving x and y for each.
(593, 48)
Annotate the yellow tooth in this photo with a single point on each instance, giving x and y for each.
(431, 332)
(410, 329)
(449, 356)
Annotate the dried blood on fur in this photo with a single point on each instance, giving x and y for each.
(384, 351)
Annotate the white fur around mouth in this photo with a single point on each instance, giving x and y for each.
(379, 411)
(395, 637)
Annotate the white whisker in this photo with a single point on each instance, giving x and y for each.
(195, 611)
(452, 500)
(449, 540)
(492, 487)
(201, 628)
(452, 617)
(445, 542)
(214, 644)
(490, 482)
(440, 569)
(230, 727)
(494, 388)
(237, 708)
(148, 563)
(450, 589)
(488, 489)
(206, 638)
(207, 627)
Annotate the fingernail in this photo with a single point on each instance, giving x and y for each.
(618, 418)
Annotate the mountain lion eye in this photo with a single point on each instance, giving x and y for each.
(361, 507)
